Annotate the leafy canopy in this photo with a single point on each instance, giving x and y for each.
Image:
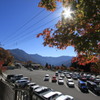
(81, 31)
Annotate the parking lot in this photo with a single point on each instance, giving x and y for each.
(38, 75)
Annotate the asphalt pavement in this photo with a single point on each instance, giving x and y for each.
(38, 75)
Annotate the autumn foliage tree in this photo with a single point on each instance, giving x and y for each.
(82, 30)
(5, 56)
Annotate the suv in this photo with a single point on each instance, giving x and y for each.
(16, 77)
(82, 85)
(8, 79)
(93, 87)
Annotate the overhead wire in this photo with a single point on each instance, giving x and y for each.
(21, 35)
(36, 30)
(12, 35)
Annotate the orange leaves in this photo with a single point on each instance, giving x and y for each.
(1, 67)
(84, 59)
(39, 35)
(46, 32)
(48, 4)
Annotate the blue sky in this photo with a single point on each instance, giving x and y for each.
(21, 20)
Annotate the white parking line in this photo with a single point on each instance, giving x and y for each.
(65, 84)
(77, 88)
(92, 93)
(50, 80)
(5, 75)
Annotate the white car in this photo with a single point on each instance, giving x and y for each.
(46, 77)
(62, 75)
(64, 97)
(24, 78)
(30, 85)
(60, 81)
(35, 87)
(21, 83)
(42, 90)
(70, 83)
(51, 95)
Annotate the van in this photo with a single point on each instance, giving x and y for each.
(82, 85)
(93, 87)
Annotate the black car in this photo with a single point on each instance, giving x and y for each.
(9, 77)
(16, 77)
(93, 87)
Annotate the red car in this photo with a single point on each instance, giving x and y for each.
(54, 79)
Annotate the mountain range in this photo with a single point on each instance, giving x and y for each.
(56, 61)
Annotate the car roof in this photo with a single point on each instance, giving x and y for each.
(51, 94)
(47, 75)
(35, 86)
(41, 88)
(22, 81)
(31, 83)
(82, 82)
(69, 79)
(63, 97)
(91, 83)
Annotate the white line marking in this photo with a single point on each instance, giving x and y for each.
(50, 80)
(65, 84)
(92, 93)
(77, 88)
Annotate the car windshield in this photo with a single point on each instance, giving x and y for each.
(70, 81)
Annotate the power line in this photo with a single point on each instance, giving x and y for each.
(38, 28)
(21, 35)
(12, 36)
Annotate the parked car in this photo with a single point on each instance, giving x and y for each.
(83, 78)
(70, 83)
(24, 78)
(9, 77)
(82, 85)
(16, 77)
(97, 81)
(46, 78)
(60, 81)
(35, 87)
(62, 75)
(93, 87)
(54, 79)
(74, 77)
(42, 89)
(29, 85)
(92, 78)
(51, 95)
(68, 76)
(56, 73)
(21, 83)
(64, 97)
